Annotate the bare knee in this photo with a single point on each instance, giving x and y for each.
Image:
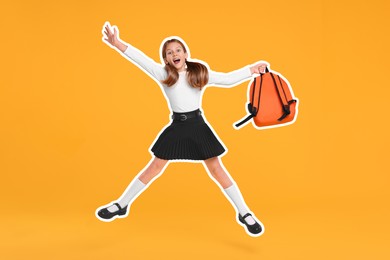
(218, 172)
(158, 164)
(154, 168)
(215, 171)
(214, 167)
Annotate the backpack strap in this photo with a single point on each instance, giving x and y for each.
(253, 110)
(283, 97)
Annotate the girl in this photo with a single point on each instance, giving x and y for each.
(188, 137)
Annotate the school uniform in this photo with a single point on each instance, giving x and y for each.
(188, 137)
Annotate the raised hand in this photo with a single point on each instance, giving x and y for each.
(112, 37)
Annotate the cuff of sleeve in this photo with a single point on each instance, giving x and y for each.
(127, 50)
(246, 71)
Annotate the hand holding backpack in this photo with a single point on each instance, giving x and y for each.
(271, 102)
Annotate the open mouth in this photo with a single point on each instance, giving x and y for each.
(176, 61)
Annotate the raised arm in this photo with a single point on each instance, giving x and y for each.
(230, 79)
(136, 56)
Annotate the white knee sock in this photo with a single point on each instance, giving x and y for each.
(236, 198)
(132, 191)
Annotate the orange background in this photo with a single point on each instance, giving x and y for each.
(74, 131)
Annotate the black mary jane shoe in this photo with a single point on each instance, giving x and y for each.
(254, 229)
(106, 214)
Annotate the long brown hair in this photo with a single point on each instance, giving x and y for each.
(197, 73)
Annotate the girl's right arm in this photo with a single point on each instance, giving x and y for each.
(155, 70)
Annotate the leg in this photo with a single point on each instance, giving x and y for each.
(219, 173)
(137, 185)
(230, 188)
(152, 170)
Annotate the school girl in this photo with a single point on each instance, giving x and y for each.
(188, 137)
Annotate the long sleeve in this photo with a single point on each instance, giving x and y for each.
(230, 79)
(147, 64)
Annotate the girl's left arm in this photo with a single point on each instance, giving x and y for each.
(231, 79)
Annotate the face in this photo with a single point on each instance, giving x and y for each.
(176, 56)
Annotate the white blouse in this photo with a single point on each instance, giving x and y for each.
(181, 96)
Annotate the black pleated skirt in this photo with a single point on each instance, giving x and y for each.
(191, 139)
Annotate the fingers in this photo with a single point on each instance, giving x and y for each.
(111, 32)
(261, 68)
(109, 35)
(108, 31)
(106, 27)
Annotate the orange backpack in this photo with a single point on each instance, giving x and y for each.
(271, 101)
